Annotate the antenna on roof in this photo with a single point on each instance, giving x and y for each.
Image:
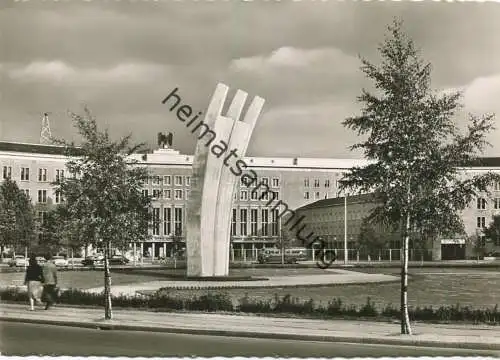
(45, 135)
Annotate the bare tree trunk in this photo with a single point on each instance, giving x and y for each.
(108, 314)
(405, 319)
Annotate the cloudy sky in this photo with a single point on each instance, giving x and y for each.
(122, 58)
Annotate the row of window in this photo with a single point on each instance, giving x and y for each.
(255, 195)
(172, 221)
(24, 174)
(316, 194)
(179, 194)
(42, 196)
(481, 203)
(317, 183)
(166, 180)
(275, 182)
(267, 226)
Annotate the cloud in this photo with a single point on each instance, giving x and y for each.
(59, 71)
(483, 94)
(293, 59)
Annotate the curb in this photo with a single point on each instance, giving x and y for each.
(105, 325)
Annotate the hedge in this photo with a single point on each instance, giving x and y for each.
(220, 301)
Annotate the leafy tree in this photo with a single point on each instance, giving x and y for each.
(416, 148)
(371, 238)
(105, 191)
(477, 244)
(17, 220)
(492, 233)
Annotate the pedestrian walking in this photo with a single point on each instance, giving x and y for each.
(50, 282)
(34, 280)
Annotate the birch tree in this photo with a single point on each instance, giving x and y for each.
(409, 132)
(104, 195)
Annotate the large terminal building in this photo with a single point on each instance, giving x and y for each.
(298, 182)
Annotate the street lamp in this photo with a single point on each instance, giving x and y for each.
(346, 258)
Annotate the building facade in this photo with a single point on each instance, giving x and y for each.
(254, 224)
(309, 185)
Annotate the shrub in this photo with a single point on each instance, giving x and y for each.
(369, 309)
(248, 305)
(286, 304)
(210, 302)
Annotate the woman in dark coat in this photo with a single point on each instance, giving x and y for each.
(34, 281)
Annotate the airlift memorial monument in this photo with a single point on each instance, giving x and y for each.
(213, 184)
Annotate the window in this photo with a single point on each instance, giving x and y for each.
(306, 182)
(156, 193)
(167, 221)
(274, 228)
(481, 222)
(145, 193)
(496, 203)
(243, 222)
(178, 180)
(178, 221)
(145, 181)
(253, 221)
(265, 222)
(317, 195)
(167, 180)
(167, 194)
(254, 195)
(265, 181)
(233, 223)
(187, 194)
(58, 197)
(178, 194)
(25, 173)
(327, 183)
(497, 186)
(42, 196)
(243, 195)
(7, 172)
(59, 175)
(481, 203)
(156, 221)
(26, 192)
(306, 195)
(316, 182)
(155, 180)
(188, 180)
(276, 195)
(42, 175)
(276, 182)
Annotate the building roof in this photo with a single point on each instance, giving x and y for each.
(32, 148)
(158, 155)
(338, 201)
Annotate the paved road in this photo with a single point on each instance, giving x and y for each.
(33, 339)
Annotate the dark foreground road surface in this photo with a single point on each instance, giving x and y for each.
(33, 339)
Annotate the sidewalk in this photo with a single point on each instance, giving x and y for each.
(431, 335)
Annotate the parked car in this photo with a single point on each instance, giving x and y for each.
(118, 260)
(95, 260)
(274, 256)
(60, 261)
(18, 261)
(300, 254)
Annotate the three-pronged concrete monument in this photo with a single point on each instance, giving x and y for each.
(213, 184)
